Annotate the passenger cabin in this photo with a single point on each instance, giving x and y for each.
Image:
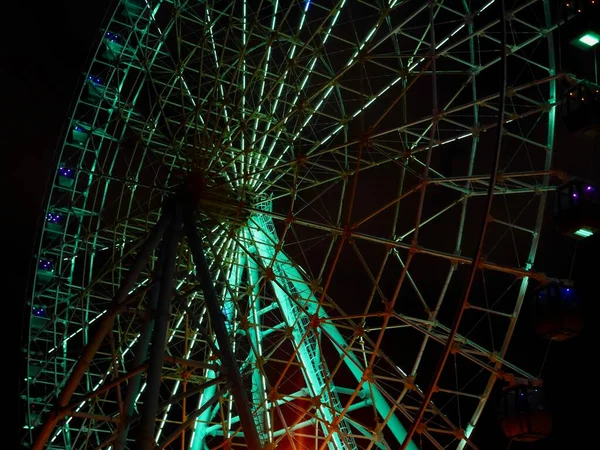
(45, 271)
(54, 221)
(577, 209)
(558, 312)
(39, 318)
(523, 415)
(65, 177)
(580, 110)
(80, 134)
(116, 48)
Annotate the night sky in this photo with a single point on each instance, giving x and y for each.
(44, 70)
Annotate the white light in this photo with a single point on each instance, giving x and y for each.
(485, 7)
(589, 39)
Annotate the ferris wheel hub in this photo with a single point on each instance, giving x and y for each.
(218, 200)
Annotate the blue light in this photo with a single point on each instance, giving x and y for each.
(112, 36)
(54, 218)
(46, 265)
(39, 312)
(65, 172)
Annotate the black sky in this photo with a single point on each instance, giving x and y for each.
(41, 74)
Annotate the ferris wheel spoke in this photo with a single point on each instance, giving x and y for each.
(240, 132)
(267, 60)
(465, 347)
(333, 16)
(324, 92)
(261, 140)
(280, 82)
(420, 42)
(217, 63)
(464, 106)
(399, 245)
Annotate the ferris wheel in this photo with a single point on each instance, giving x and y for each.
(266, 215)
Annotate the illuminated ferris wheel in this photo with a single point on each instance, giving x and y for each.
(264, 221)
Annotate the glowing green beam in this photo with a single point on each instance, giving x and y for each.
(285, 270)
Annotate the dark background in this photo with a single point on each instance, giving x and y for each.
(43, 63)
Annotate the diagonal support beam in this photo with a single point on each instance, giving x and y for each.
(141, 354)
(161, 324)
(104, 325)
(192, 417)
(212, 304)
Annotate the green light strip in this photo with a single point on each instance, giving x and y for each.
(217, 66)
(583, 232)
(291, 54)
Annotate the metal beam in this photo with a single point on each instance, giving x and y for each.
(104, 325)
(145, 438)
(133, 388)
(192, 418)
(212, 304)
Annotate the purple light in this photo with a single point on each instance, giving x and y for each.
(575, 195)
(588, 188)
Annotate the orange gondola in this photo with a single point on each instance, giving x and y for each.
(523, 415)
